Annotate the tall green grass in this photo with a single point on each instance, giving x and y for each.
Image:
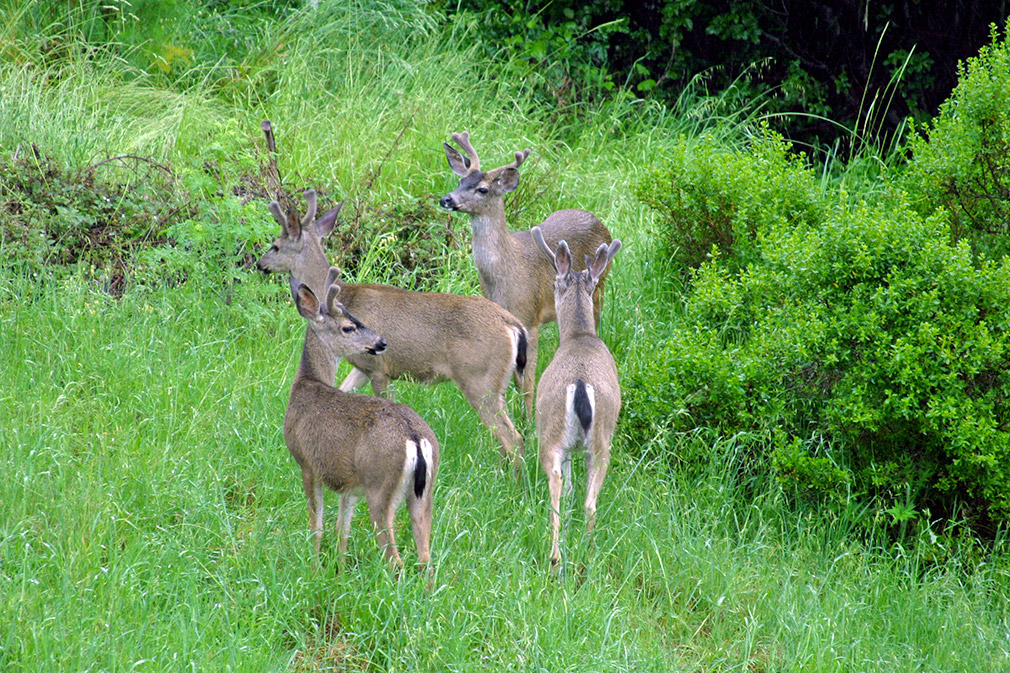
(154, 521)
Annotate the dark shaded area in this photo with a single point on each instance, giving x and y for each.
(836, 60)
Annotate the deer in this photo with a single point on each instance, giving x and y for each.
(431, 337)
(579, 397)
(355, 444)
(511, 270)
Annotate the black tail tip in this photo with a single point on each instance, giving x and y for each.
(521, 352)
(420, 469)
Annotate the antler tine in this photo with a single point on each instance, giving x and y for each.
(463, 140)
(310, 214)
(332, 289)
(275, 210)
(520, 158)
(332, 275)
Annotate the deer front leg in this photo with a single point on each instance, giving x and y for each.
(314, 496)
(347, 503)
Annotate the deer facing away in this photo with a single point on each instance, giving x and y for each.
(512, 271)
(431, 336)
(355, 444)
(579, 397)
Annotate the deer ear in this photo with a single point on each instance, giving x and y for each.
(305, 300)
(457, 163)
(275, 210)
(324, 225)
(509, 179)
(563, 259)
(604, 254)
(294, 226)
(538, 236)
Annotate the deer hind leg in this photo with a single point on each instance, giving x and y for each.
(420, 524)
(528, 383)
(314, 496)
(381, 510)
(598, 302)
(597, 461)
(551, 462)
(490, 406)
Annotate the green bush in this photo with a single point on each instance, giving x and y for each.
(961, 160)
(869, 350)
(710, 195)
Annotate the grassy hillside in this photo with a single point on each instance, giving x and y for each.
(154, 520)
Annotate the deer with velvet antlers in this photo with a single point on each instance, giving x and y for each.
(430, 336)
(579, 396)
(512, 272)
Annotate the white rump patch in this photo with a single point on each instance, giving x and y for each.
(573, 427)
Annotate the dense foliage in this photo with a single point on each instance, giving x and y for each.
(867, 341)
(961, 159)
(833, 68)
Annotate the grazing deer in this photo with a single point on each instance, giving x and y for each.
(355, 444)
(579, 396)
(431, 336)
(513, 273)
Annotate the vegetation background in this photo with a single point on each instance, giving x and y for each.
(810, 318)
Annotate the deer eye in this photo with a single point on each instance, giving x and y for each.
(482, 190)
(347, 329)
(274, 248)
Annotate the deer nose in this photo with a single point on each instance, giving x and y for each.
(380, 346)
(446, 202)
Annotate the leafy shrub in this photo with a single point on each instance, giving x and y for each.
(55, 215)
(961, 160)
(869, 350)
(708, 195)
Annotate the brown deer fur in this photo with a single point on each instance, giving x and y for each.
(355, 444)
(579, 397)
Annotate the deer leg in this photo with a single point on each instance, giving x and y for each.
(379, 386)
(420, 524)
(551, 462)
(490, 406)
(347, 503)
(598, 303)
(381, 510)
(597, 461)
(354, 380)
(566, 468)
(314, 496)
(529, 380)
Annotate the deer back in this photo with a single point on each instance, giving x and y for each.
(581, 355)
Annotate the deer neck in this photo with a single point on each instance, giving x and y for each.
(575, 318)
(493, 246)
(317, 363)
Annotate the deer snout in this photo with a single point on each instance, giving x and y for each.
(379, 347)
(447, 202)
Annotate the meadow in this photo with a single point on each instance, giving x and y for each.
(153, 519)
